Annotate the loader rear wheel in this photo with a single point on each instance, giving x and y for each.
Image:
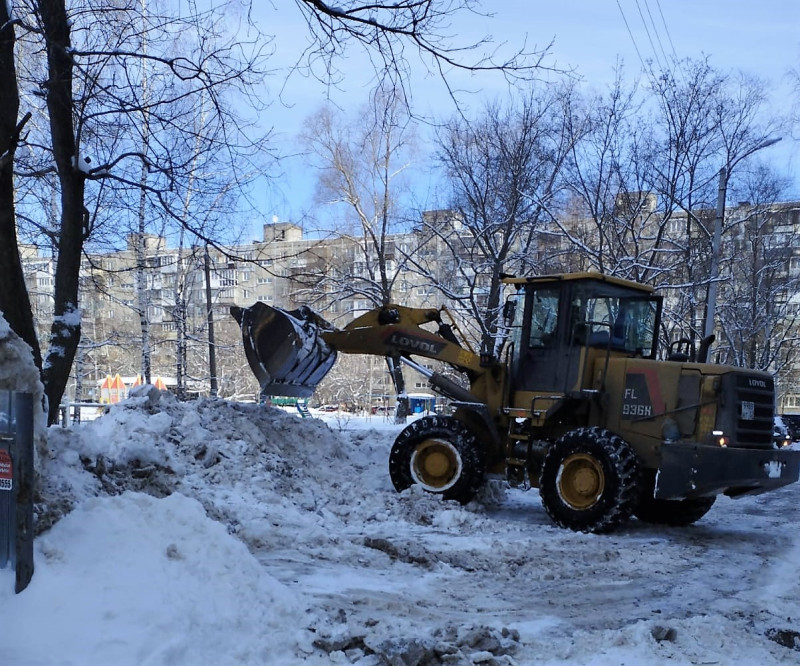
(675, 513)
(589, 480)
(440, 454)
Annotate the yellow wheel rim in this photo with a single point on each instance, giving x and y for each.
(436, 465)
(581, 481)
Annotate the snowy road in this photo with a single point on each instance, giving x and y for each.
(510, 567)
(503, 564)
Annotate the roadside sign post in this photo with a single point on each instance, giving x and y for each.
(16, 485)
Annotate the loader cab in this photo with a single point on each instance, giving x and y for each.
(559, 325)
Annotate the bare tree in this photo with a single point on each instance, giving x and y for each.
(644, 173)
(362, 162)
(93, 96)
(614, 226)
(91, 73)
(14, 300)
(758, 313)
(503, 171)
(636, 162)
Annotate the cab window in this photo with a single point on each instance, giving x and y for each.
(622, 324)
(544, 318)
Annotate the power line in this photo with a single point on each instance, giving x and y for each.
(656, 32)
(677, 66)
(630, 33)
(666, 30)
(649, 36)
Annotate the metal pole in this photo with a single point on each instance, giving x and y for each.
(724, 174)
(212, 350)
(711, 301)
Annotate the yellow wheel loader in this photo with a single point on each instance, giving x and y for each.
(577, 405)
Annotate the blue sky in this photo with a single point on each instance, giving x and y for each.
(760, 38)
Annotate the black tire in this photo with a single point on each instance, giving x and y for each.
(590, 480)
(675, 513)
(442, 455)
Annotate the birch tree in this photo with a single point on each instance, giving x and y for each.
(362, 162)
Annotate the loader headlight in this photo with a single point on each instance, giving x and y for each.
(719, 438)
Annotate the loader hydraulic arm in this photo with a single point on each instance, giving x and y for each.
(291, 351)
(395, 330)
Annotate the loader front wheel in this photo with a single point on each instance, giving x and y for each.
(440, 454)
(589, 480)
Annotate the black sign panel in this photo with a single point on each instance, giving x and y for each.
(641, 396)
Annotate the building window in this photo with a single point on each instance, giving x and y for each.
(792, 401)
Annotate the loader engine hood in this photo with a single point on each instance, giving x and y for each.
(284, 348)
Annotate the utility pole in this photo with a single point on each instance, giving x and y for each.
(212, 351)
(719, 219)
(711, 298)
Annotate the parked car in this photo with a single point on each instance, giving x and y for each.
(780, 433)
(792, 423)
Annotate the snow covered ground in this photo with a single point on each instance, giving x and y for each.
(223, 533)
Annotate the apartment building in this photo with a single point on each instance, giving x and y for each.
(188, 290)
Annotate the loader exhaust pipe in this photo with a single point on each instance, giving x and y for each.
(285, 349)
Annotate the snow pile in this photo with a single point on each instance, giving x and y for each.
(136, 580)
(18, 372)
(228, 533)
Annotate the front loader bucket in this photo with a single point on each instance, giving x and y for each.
(284, 349)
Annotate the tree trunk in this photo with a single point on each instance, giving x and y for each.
(181, 334)
(14, 300)
(141, 297)
(141, 243)
(65, 331)
(180, 316)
